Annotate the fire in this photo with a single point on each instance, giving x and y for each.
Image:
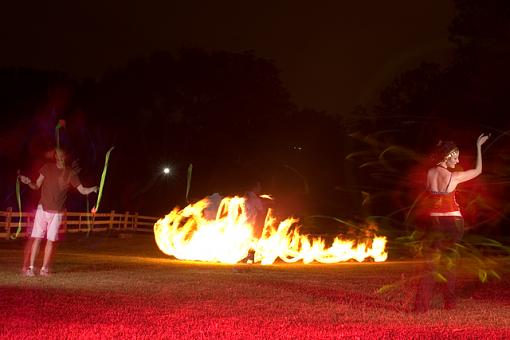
(188, 235)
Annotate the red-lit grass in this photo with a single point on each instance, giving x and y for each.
(124, 288)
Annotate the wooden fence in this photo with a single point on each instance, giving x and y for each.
(77, 222)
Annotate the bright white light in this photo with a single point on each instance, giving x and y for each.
(166, 171)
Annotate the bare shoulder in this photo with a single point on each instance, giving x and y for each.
(438, 171)
(431, 172)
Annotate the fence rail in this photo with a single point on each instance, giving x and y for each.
(76, 222)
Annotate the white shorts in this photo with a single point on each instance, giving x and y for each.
(46, 222)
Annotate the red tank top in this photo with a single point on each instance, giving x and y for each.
(443, 202)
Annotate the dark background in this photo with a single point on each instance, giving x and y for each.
(333, 107)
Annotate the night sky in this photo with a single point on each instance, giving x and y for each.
(332, 56)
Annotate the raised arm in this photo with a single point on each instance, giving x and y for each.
(32, 185)
(463, 176)
(86, 190)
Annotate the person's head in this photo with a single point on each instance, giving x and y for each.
(255, 187)
(60, 157)
(447, 154)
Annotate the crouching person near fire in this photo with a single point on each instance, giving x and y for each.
(54, 180)
(256, 211)
(213, 204)
(255, 208)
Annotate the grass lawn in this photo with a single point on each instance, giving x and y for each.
(110, 287)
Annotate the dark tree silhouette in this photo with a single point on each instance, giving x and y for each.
(453, 102)
(30, 104)
(213, 109)
(473, 89)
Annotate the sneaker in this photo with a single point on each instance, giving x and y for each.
(44, 272)
(28, 272)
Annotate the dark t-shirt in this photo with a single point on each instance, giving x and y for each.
(55, 185)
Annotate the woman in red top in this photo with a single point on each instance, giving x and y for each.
(446, 223)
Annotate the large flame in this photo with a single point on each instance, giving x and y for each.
(188, 235)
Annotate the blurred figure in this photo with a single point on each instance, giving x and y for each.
(211, 211)
(54, 180)
(255, 209)
(445, 225)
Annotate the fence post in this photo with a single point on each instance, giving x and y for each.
(29, 225)
(8, 222)
(136, 221)
(112, 216)
(64, 220)
(126, 219)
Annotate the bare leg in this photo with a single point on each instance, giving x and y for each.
(48, 252)
(35, 249)
(27, 252)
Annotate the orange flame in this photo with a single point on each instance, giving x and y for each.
(188, 235)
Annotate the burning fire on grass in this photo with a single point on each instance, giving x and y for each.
(188, 235)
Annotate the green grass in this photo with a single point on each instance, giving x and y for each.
(110, 287)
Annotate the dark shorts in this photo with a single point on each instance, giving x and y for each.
(444, 231)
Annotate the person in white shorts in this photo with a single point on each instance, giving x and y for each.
(54, 180)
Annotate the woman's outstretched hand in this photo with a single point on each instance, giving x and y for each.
(24, 179)
(482, 139)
